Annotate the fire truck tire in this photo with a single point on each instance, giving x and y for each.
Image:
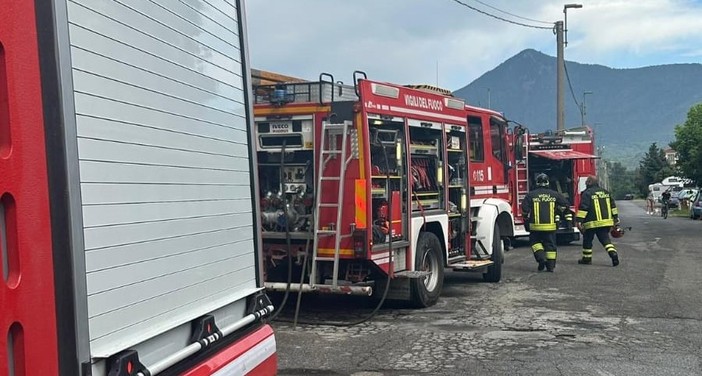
(426, 291)
(494, 271)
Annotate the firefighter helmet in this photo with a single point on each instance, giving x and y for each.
(617, 231)
(542, 180)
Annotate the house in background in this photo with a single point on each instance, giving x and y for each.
(671, 156)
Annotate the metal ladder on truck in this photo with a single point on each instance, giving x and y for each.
(522, 172)
(329, 150)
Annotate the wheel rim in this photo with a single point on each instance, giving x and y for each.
(431, 265)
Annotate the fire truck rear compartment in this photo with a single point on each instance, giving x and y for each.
(560, 174)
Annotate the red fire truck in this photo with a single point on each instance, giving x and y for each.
(128, 240)
(567, 157)
(354, 192)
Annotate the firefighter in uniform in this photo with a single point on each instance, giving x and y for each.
(596, 216)
(540, 209)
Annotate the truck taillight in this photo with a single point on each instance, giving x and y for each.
(360, 243)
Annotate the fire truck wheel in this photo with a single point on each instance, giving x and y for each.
(426, 290)
(494, 272)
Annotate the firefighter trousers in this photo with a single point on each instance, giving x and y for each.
(543, 243)
(602, 234)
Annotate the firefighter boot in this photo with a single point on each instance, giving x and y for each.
(541, 259)
(587, 257)
(612, 253)
(550, 265)
(550, 261)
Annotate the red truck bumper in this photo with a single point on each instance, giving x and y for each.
(253, 355)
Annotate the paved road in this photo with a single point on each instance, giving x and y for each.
(640, 318)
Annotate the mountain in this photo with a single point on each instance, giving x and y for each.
(628, 108)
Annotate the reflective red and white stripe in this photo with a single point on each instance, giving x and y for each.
(253, 355)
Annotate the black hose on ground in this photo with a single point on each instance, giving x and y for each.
(302, 277)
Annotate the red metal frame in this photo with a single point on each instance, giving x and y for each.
(28, 299)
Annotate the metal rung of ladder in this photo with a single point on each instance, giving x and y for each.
(523, 169)
(336, 128)
(329, 149)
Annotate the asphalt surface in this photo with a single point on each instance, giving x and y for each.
(642, 317)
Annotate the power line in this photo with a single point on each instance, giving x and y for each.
(512, 14)
(501, 18)
(571, 90)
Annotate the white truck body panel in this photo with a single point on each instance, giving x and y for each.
(156, 96)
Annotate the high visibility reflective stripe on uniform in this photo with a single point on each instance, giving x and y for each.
(587, 253)
(544, 216)
(597, 210)
(537, 247)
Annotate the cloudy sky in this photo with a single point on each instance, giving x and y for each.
(403, 41)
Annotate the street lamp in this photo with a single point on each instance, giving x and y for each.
(583, 110)
(565, 17)
(560, 69)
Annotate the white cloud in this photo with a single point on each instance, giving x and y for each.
(402, 40)
(610, 32)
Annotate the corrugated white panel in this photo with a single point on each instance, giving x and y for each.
(111, 215)
(108, 172)
(132, 253)
(164, 168)
(101, 194)
(152, 118)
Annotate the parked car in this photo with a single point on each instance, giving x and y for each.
(687, 194)
(696, 206)
(629, 196)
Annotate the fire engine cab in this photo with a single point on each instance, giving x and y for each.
(567, 157)
(373, 181)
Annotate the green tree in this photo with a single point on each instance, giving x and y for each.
(688, 144)
(622, 181)
(653, 168)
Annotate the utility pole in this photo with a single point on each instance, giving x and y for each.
(561, 30)
(560, 73)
